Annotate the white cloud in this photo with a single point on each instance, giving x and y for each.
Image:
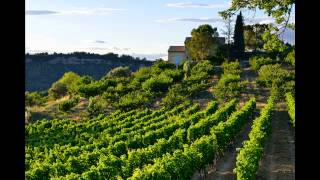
(41, 12)
(259, 20)
(265, 20)
(96, 41)
(98, 48)
(202, 20)
(80, 11)
(196, 5)
(97, 11)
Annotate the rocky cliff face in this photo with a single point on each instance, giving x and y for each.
(41, 74)
(74, 60)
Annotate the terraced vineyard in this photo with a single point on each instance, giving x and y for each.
(179, 142)
(97, 149)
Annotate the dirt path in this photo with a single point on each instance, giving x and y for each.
(279, 154)
(278, 161)
(225, 165)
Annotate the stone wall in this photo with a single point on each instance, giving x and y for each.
(172, 56)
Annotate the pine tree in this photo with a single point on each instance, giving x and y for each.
(238, 37)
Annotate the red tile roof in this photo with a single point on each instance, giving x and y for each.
(176, 49)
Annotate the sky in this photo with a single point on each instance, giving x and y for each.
(141, 28)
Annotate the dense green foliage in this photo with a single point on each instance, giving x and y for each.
(63, 86)
(145, 124)
(157, 84)
(231, 68)
(202, 45)
(182, 163)
(270, 74)
(229, 86)
(291, 107)
(68, 104)
(225, 132)
(133, 100)
(35, 99)
(290, 58)
(248, 158)
(120, 89)
(97, 105)
(253, 36)
(257, 61)
(106, 145)
(195, 82)
(119, 72)
(94, 87)
(203, 127)
(279, 10)
(277, 78)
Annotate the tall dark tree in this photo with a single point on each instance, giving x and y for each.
(239, 37)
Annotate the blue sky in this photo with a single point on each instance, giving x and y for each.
(142, 28)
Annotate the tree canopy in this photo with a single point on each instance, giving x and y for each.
(279, 10)
(202, 45)
(253, 36)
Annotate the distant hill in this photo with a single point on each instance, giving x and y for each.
(43, 69)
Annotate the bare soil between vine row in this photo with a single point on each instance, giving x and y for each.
(278, 161)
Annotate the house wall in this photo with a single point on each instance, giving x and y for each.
(172, 56)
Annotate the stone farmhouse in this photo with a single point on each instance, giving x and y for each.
(176, 54)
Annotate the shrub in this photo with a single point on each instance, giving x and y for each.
(119, 148)
(290, 58)
(124, 87)
(61, 87)
(195, 88)
(133, 100)
(97, 105)
(142, 74)
(279, 91)
(157, 84)
(175, 96)
(163, 65)
(68, 104)
(203, 67)
(34, 98)
(119, 72)
(273, 75)
(196, 78)
(159, 66)
(95, 87)
(257, 61)
(57, 90)
(279, 80)
(228, 87)
(175, 74)
(231, 68)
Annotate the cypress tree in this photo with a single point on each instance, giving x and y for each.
(239, 37)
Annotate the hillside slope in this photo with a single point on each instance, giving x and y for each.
(42, 71)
